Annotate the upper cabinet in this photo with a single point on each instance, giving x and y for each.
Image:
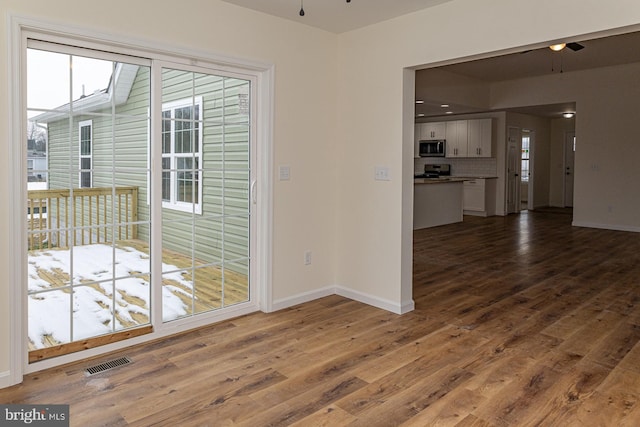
(457, 138)
(479, 138)
(465, 138)
(434, 130)
(426, 131)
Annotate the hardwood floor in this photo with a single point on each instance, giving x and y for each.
(519, 321)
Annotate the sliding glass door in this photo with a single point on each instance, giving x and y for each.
(102, 162)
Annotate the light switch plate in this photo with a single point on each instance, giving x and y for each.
(285, 173)
(382, 173)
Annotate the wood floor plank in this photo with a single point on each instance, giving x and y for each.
(329, 416)
(613, 402)
(520, 320)
(309, 402)
(410, 401)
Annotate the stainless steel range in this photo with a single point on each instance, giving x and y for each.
(435, 171)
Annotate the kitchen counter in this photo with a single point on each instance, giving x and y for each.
(447, 180)
(437, 204)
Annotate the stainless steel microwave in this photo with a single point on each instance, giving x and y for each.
(432, 148)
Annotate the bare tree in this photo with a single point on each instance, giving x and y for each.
(38, 134)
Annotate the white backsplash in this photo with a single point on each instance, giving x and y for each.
(462, 167)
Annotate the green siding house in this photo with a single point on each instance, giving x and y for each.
(99, 148)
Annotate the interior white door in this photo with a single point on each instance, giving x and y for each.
(569, 157)
(514, 142)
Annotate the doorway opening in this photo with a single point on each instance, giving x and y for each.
(527, 170)
(514, 166)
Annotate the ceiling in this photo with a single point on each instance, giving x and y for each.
(337, 16)
(600, 52)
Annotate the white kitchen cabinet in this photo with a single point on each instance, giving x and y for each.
(479, 197)
(435, 130)
(479, 138)
(417, 136)
(426, 131)
(457, 138)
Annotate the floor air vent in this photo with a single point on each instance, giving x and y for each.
(111, 364)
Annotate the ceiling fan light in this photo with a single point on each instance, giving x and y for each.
(557, 47)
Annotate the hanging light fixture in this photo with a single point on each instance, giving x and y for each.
(301, 13)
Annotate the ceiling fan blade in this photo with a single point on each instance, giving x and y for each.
(575, 46)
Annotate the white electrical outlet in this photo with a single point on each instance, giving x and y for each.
(307, 258)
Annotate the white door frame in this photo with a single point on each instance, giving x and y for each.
(261, 192)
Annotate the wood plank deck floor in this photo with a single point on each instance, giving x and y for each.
(519, 321)
(208, 291)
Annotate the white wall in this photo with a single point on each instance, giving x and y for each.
(304, 208)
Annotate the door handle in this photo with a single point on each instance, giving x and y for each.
(254, 195)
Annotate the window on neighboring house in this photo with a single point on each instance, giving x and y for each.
(86, 152)
(181, 155)
(525, 158)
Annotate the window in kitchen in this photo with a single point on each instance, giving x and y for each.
(525, 158)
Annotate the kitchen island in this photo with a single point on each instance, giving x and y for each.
(437, 201)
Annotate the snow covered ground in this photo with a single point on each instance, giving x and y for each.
(49, 312)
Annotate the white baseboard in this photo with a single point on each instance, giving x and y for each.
(302, 298)
(5, 379)
(374, 301)
(606, 226)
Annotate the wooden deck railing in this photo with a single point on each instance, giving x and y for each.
(60, 218)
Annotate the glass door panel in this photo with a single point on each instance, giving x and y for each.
(88, 210)
(206, 176)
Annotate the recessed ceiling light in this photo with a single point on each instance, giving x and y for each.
(421, 115)
(449, 112)
(444, 105)
(568, 115)
(419, 101)
(557, 47)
